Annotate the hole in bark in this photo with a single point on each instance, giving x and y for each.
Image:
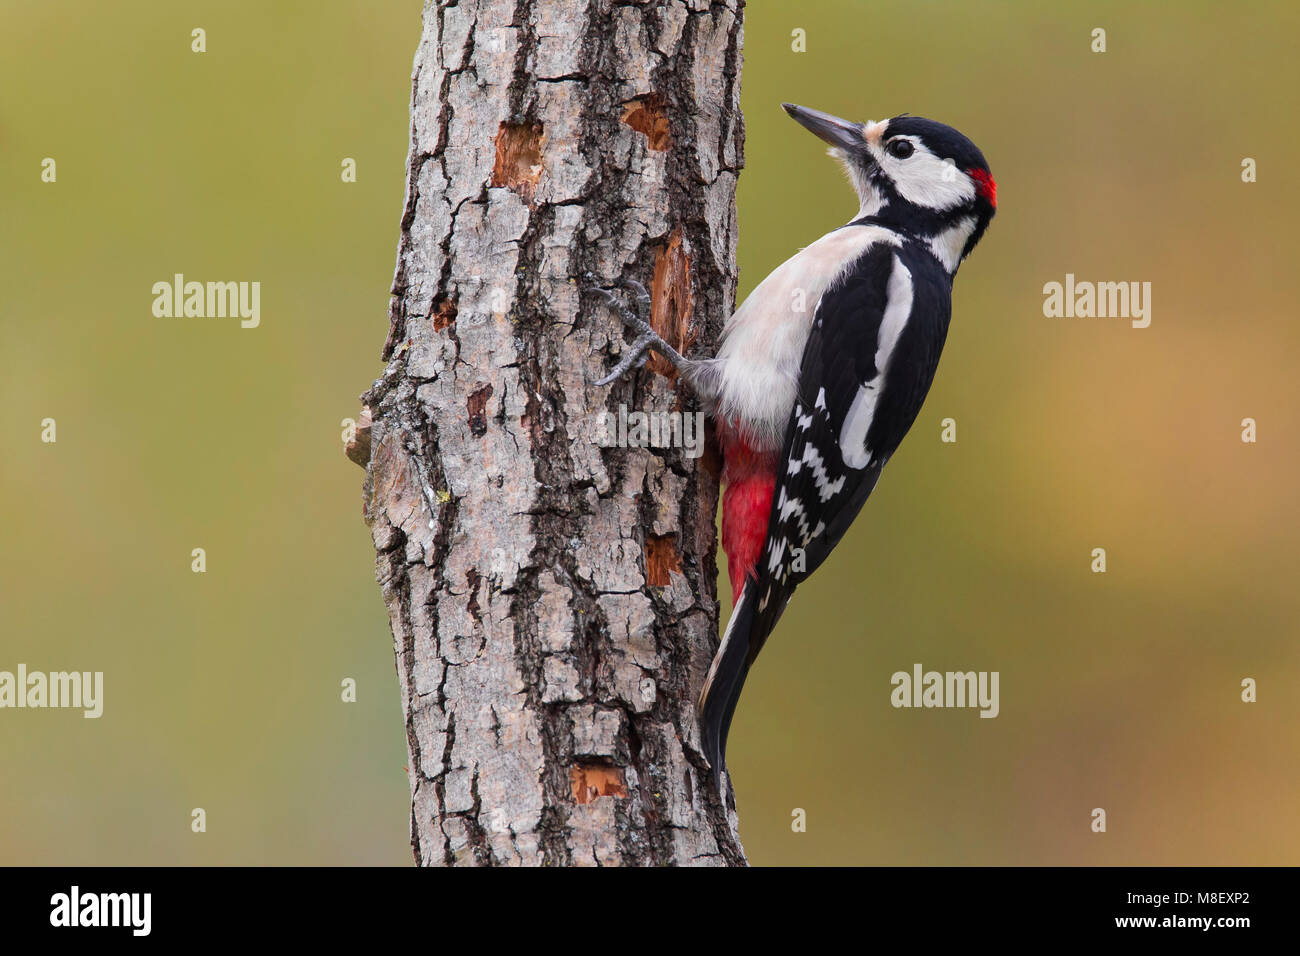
(648, 115)
(661, 558)
(590, 781)
(477, 408)
(444, 314)
(671, 300)
(518, 164)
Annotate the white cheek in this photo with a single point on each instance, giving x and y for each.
(926, 180)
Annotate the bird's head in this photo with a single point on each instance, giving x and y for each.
(915, 175)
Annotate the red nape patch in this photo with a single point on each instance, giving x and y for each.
(985, 184)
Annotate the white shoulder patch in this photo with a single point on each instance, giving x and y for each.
(862, 412)
(763, 341)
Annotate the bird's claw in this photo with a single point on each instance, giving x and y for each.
(642, 296)
(633, 320)
(639, 321)
(636, 357)
(632, 285)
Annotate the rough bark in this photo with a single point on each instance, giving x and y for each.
(553, 601)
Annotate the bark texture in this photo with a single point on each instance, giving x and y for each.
(553, 600)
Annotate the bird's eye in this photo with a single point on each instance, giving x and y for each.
(900, 148)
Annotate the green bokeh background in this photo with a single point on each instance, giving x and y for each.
(222, 689)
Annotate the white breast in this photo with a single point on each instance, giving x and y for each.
(763, 342)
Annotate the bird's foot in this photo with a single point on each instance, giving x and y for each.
(639, 321)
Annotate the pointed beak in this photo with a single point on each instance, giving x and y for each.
(828, 128)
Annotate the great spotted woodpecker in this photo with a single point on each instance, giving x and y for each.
(823, 369)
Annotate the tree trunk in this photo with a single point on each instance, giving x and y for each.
(552, 597)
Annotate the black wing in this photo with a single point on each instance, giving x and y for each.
(817, 493)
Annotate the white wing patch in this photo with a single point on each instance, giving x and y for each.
(763, 342)
(853, 436)
(862, 412)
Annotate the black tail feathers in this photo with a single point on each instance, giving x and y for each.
(722, 688)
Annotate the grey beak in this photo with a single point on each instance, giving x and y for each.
(828, 128)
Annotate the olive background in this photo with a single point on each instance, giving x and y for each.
(1118, 690)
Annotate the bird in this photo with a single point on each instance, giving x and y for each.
(822, 370)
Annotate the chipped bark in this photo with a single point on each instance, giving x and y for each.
(519, 163)
(444, 314)
(358, 446)
(671, 300)
(647, 115)
(553, 601)
(661, 560)
(591, 782)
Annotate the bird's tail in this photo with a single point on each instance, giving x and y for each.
(726, 678)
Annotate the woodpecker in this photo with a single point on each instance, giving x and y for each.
(824, 368)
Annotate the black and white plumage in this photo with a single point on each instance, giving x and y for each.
(812, 403)
(870, 358)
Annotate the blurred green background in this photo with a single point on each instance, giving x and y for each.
(222, 689)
